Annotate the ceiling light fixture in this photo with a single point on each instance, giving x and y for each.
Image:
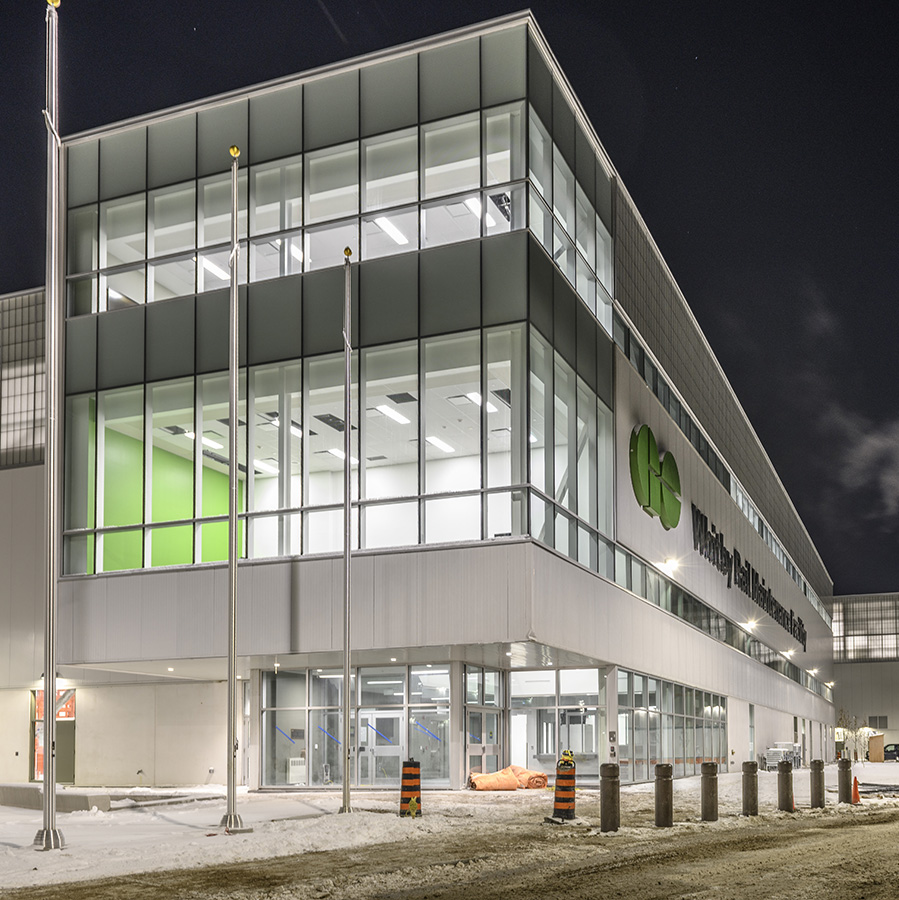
(265, 467)
(204, 440)
(475, 398)
(341, 455)
(391, 413)
(440, 445)
(218, 271)
(475, 206)
(296, 253)
(391, 230)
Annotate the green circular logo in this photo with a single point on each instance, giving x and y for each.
(655, 479)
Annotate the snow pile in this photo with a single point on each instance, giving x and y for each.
(135, 838)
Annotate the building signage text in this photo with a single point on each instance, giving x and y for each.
(740, 573)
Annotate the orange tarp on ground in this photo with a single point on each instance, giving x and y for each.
(509, 779)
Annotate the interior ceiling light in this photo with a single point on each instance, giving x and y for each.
(391, 413)
(391, 230)
(113, 294)
(295, 429)
(296, 253)
(341, 455)
(218, 271)
(440, 445)
(532, 439)
(475, 206)
(475, 398)
(265, 467)
(204, 440)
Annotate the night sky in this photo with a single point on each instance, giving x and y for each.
(758, 140)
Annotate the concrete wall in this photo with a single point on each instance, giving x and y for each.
(22, 575)
(174, 732)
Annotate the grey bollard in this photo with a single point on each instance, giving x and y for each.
(844, 780)
(785, 786)
(750, 788)
(609, 797)
(817, 780)
(664, 796)
(709, 792)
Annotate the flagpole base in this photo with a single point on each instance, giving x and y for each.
(233, 824)
(49, 839)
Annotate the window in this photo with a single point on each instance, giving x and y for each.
(451, 156)
(390, 170)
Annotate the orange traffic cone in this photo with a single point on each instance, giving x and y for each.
(855, 797)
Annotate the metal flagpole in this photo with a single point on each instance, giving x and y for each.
(231, 820)
(50, 837)
(347, 523)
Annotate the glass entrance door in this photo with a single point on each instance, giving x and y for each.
(381, 747)
(483, 740)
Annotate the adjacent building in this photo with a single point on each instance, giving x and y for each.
(566, 532)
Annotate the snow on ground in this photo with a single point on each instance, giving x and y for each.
(137, 838)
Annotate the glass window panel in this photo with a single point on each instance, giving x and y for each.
(565, 433)
(172, 220)
(451, 155)
(332, 183)
(326, 687)
(504, 144)
(473, 682)
(578, 687)
(81, 448)
(391, 525)
(324, 430)
(586, 284)
(121, 290)
(447, 223)
(276, 196)
(504, 210)
(625, 688)
(533, 688)
(641, 745)
(384, 686)
(541, 152)
(540, 220)
(275, 536)
(452, 422)
(604, 468)
(78, 554)
(171, 463)
(654, 741)
(390, 233)
(323, 530)
(604, 255)
(175, 278)
(505, 406)
(82, 296)
(563, 254)
(505, 514)
(214, 214)
(565, 542)
(492, 685)
(214, 268)
(453, 519)
(390, 398)
(122, 236)
(172, 546)
(212, 469)
(120, 551)
(276, 434)
(639, 691)
(586, 454)
(325, 245)
(274, 257)
(83, 248)
(429, 742)
(390, 170)
(121, 457)
(324, 747)
(429, 684)
(541, 521)
(541, 413)
(284, 747)
(579, 733)
(563, 193)
(585, 235)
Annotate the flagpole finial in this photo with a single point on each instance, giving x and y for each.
(234, 150)
(347, 252)
(53, 3)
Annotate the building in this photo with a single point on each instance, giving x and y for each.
(567, 532)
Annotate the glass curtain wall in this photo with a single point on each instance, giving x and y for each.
(397, 711)
(663, 722)
(450, 180)
(148, 465)
(554, 710)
